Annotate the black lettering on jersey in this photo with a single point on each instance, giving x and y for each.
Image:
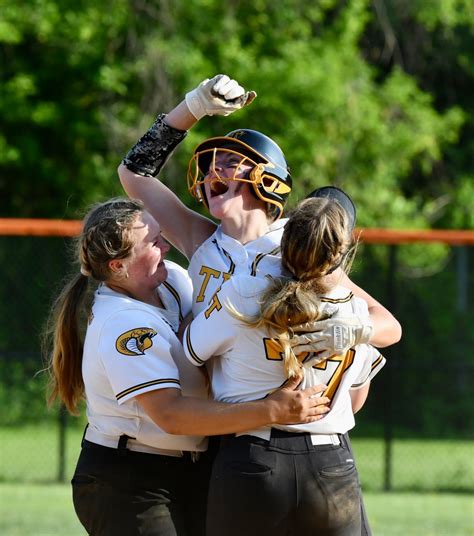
(135, 341)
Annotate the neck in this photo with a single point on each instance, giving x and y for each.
(332, 280)
(247, 227)
(150, 296)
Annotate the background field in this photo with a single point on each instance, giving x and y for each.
(33, 454)
(46, 510)
(32, 503)
(374, 96)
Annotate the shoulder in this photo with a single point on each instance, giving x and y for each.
(276, 228)
(243, 292)
(337, 295)
(112, 308)
(246, 286)
(177, 274)
(206, 246)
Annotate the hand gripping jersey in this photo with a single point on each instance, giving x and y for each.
(221, 257)
(249, 364)
(131, 348)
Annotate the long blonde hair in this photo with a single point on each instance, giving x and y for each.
(107, 234)
(316, 240)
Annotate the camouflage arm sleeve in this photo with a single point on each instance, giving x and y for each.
(153, 149)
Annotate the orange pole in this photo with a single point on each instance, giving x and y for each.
(39, 227)
(45, 227)
(453, 237)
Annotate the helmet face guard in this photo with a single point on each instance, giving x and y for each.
(269, 174)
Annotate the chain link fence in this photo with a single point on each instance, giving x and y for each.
(414, 433)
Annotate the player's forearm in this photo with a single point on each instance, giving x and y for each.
(386, 328)
(180, 415)
(194, 416)
(359, 396)
(180, 117)
(201, 417)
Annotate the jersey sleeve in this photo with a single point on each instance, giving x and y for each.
(179, 283)
(136, 354)
(213, 331)
(359, 306)
(373, 362)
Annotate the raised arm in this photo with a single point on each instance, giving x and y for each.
(183, 227)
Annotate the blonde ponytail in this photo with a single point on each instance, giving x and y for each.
(315, 242)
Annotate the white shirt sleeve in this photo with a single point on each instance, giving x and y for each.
(372, 364)
(136, 354)
(213, 331)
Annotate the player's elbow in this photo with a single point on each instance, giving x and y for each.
(389, 332)
(124, 174)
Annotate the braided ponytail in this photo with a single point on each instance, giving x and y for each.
(315, 242)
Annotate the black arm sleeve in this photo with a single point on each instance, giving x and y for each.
(153, 149)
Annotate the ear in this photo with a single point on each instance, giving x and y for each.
(116, 266)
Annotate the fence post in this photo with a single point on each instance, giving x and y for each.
(462, 272)
(388, 424)
(62, 422)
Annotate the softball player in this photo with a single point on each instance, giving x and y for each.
(136, 472)
(286, 480)
(244, 181)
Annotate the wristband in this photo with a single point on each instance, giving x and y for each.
(153, 149)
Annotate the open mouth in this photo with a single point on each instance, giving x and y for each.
(218, 188)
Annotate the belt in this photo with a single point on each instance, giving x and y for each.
(129, 443)
(316, 439)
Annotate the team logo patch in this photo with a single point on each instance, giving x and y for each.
(135, 341)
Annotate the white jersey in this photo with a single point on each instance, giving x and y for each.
(249, 364)
(220, 257)
(131, 348)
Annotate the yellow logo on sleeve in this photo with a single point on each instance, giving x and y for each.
(135, 341)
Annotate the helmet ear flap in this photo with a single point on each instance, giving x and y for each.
(256, 174)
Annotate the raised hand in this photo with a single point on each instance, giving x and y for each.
(220, 95)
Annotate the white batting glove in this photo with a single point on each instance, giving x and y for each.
(218, 96)
(333, 336)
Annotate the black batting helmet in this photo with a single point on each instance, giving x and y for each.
(336, 194)
(270, 176)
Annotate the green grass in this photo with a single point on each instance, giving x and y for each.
(37, 510)
(32, 504)
(46, 510)
(30, 454)
(417, 465)
(414, 514)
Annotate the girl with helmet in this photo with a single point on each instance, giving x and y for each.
(147, 410)
(244, 181)
(287, 479)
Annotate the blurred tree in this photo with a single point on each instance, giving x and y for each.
(81, 80)
(374, 96)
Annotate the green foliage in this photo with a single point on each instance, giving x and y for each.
(82, 80)
(22, 391)
(375, 97)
